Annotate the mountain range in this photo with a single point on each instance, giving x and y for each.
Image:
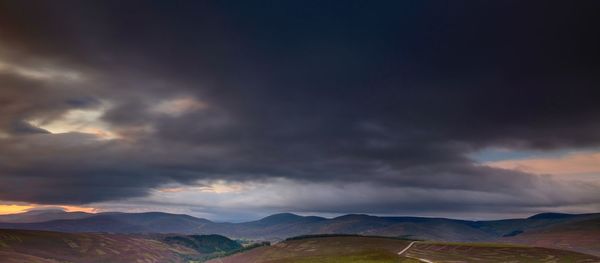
(579, 232)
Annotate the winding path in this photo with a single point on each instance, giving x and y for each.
(406, 248)
(419, 259)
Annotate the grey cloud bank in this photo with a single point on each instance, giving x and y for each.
(107, 101)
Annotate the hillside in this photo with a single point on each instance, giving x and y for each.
(325, 249)
(508, 227)
(274, 227)
(582, 236)
(415, 227)
(42, 246)
(490, 252)
(45, 246)
(566, 231)
(152, 222)
(36, 216)
(281, 226)
(350, 249)
(206, 244)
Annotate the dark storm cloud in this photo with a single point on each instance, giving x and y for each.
(396, 93)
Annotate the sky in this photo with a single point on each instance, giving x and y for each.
(233, 110)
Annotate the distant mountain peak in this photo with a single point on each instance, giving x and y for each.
(355, 216)
(45, 210)
(284, 215)
(42, 215)
(281, 217)
(550, 216)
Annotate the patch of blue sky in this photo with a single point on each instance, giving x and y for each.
(500, 154)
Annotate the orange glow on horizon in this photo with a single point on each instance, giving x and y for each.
(570, 164)
(79, 209)
(15, 209)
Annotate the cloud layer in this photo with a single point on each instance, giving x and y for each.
(108, 101)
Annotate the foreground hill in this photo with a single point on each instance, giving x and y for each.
(43, 246)
(490, 252)
(325, 249)
(53, 247)
(350, 249)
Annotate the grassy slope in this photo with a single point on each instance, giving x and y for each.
(326, 249)
(150, 222)
(489, 252)
(42, 216)
(205, 244)
(43, 246)
(583, 236)
(371, 249)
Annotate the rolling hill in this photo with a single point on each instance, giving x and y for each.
(152, 222)
(492, 252)
(281, 226)
(324, 249)
(274, 227)
(205, 244)
(582, 236)
(46, 247)
(350, 249)
(566, 231)
(36, 216)
(43, 246)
